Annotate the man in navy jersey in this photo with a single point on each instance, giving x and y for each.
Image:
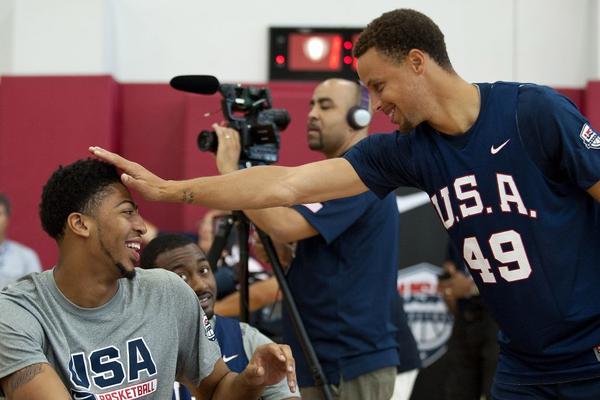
(511, 169)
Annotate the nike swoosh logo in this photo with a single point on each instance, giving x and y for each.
(495, 150)
(227, 359)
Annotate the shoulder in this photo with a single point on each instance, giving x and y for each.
(160, 279)
(28, 286)
(250, 331)
(381, 143)
(154, 276)
(19, 299)
(538, 99)
(252, 338)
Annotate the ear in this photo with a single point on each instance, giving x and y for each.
(416, 60)
(79, 224)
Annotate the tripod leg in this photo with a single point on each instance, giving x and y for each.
(243, 236)
(307, 348)
(219, 242)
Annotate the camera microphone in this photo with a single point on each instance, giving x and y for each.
(200, 84)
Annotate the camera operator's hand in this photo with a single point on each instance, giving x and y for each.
(455, 286)
(228, 150)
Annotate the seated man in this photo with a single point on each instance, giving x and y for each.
(237, 340)
(96, 327)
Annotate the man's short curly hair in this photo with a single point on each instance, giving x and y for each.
(396, 32)
(78, 187)
(161, 244)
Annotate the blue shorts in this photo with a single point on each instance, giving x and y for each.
(588, 389)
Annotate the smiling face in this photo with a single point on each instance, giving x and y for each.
(117, 228)
(190, 263)
(395, 87)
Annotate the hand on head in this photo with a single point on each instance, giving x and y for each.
(134, 176)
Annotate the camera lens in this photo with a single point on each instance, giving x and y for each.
(208, 141)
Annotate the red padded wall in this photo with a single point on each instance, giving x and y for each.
(44, 122)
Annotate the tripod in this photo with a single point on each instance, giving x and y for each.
(243, 225)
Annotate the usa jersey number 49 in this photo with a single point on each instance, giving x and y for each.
(507, 248)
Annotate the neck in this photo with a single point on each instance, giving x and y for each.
(85, 281)
(352, 140)
(455, 106)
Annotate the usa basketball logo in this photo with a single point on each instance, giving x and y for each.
(426, 311)
(210, 334)
(590, 138)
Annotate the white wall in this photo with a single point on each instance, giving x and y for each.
(547, 41)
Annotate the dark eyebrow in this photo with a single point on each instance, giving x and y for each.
(321, 100)
(135, 207)
(373, 82)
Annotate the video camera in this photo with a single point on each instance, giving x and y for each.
(247, 110)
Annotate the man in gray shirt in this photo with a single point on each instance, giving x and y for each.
(16, 260)
(95, 327)
(238, 341)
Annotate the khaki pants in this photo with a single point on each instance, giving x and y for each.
(376, 385)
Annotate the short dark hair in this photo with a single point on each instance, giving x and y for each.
(5, 201)
(78, 187)
(160, 244)
(396, 32)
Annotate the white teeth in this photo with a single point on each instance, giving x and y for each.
(135, 246)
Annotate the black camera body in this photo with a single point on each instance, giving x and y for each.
(249, 111)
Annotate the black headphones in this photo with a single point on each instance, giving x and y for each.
(358, 116)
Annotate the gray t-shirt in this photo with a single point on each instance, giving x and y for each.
(152, 331)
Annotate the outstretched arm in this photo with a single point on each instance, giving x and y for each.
(251, 188)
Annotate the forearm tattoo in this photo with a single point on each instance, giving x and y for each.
(188, 197)
(23, 376)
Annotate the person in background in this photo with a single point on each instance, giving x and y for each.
(473, 346)
(340, 259)
(237, 340)
(16, 259)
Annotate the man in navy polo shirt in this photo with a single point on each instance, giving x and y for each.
(344, 271)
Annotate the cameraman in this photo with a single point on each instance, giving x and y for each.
(343, 276)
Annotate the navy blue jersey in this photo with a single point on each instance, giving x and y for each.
(229, 336)
(511, 194)
(344, 283)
